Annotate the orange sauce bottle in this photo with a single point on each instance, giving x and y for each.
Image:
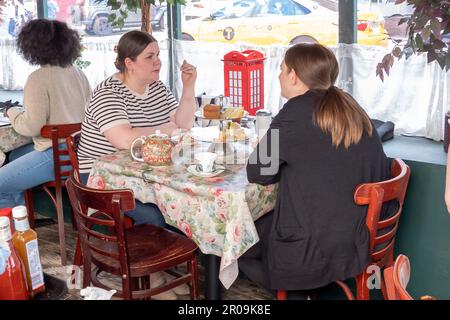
(12, 274)
(26, 244)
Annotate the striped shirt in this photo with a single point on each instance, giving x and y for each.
(112, 104)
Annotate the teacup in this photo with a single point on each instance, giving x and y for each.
(205, 161)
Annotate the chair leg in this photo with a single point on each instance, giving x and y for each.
(193, 270)
(362, 290)
(61, 232)
(78, 256)
(346, 289)
(30, 207)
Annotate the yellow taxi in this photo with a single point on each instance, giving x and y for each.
(266, 22)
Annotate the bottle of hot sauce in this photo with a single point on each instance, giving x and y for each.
(26, 244)
(12, 274)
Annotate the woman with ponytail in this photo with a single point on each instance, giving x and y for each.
(319, 147)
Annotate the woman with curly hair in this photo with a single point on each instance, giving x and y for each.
(56, 93)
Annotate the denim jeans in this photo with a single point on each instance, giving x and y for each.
(27, 168)
(144, 213)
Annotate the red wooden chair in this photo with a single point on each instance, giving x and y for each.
(373, 195)
(134, 253)
(72, 142)
(54, 188)
(397, 278)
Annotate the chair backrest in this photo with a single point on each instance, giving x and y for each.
(55, 132)
(72, 142)
(96, 245)
(374, 195)
(397, 278)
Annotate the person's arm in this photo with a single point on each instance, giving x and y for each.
(122, 136)
(263, 166)
(36, 108)
(447, 183)
(184, 115)
(108, 110)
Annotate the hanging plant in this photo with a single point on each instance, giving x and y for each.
(428, 32)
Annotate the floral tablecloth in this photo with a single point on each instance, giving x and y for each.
(217, 213)
(10, 140)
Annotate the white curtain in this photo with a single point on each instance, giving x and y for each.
(415, 95)
(99, 51)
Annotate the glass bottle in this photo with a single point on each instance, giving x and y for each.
(26, 244)
(12, 273)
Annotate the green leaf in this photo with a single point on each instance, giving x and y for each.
(111, 17)
(436, 27)
(426, 33)
(419, 42)
(120, 22)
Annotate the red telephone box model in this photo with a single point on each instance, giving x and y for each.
(244, 79)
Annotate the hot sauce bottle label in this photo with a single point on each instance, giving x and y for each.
(34, 264)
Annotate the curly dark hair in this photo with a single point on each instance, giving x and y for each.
(52, 42)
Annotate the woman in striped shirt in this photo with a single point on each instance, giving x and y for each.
(134, 103)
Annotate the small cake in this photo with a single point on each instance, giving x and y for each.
(211, 111)
(233, 132)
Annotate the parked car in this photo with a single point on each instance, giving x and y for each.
(387, 8)
(97, 21)
(201, 8)
(266, 22)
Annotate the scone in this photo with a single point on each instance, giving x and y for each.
(211, 111)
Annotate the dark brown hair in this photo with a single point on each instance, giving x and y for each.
(52, 42)
(337, 113)
(131, 44)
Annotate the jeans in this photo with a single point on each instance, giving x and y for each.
(144, 213)
(26, 169)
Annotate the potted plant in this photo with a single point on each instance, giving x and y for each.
(428, 32)
(121, 8)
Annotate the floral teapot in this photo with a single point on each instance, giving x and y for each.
(156, 149)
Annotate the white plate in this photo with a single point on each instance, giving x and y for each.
(211, 134)
(207, 134)
(199, 114)
(193, 170)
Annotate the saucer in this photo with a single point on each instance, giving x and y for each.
(193, 170)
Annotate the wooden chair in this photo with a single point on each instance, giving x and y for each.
(72, 142)
(373, 195)
(55, 133)
(133, 254)
(397, 278)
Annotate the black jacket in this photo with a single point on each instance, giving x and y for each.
(318, 233)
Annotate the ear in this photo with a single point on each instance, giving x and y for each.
(293, 77)
(128, 63)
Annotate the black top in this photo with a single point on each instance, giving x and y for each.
(318, 233)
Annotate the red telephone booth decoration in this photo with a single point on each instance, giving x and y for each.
(244, 80)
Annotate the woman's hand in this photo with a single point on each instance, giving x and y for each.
(188, 74)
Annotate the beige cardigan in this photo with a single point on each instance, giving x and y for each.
(52, 95)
